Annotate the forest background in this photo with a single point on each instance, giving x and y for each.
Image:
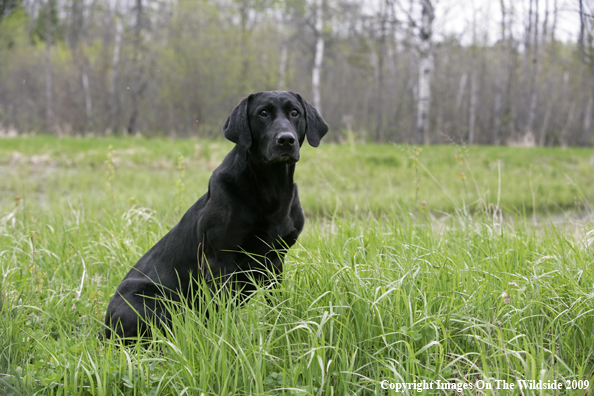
(517, 72)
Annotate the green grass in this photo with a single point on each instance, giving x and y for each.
(379, 286)
(332, 179)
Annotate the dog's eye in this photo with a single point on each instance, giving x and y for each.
(294, 113)
(263, 113)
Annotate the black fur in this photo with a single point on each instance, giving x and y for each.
(240, 230)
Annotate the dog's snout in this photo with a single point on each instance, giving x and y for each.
(285, 139)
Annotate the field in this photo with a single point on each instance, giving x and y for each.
(448, 267)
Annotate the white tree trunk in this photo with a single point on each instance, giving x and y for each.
(114, 107)
(425, 72)
(319, 56)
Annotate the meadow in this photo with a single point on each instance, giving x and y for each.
(464, 270)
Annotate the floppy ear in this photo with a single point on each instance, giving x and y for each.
(237, 126)
(316, 126)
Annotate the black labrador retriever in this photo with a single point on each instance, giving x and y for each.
(239, 231)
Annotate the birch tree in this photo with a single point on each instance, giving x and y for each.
(319, 54)
(425, 71)
(114, 100)
(70, 65)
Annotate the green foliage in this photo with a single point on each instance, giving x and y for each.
(194, 61)
(7, 7)
(370, 293)
(12, 28)
(46, 26)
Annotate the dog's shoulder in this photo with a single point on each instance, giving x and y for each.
(231, 173)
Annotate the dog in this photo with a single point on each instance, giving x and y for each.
(237, 234)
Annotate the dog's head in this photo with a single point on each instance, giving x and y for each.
(274, 124)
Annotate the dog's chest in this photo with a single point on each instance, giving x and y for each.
(279, 229)
(275, 225)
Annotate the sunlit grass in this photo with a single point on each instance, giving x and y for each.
(332, 178)
(374, 290)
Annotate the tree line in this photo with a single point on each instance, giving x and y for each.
(378, 70)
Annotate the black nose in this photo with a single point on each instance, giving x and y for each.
(285, 139)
